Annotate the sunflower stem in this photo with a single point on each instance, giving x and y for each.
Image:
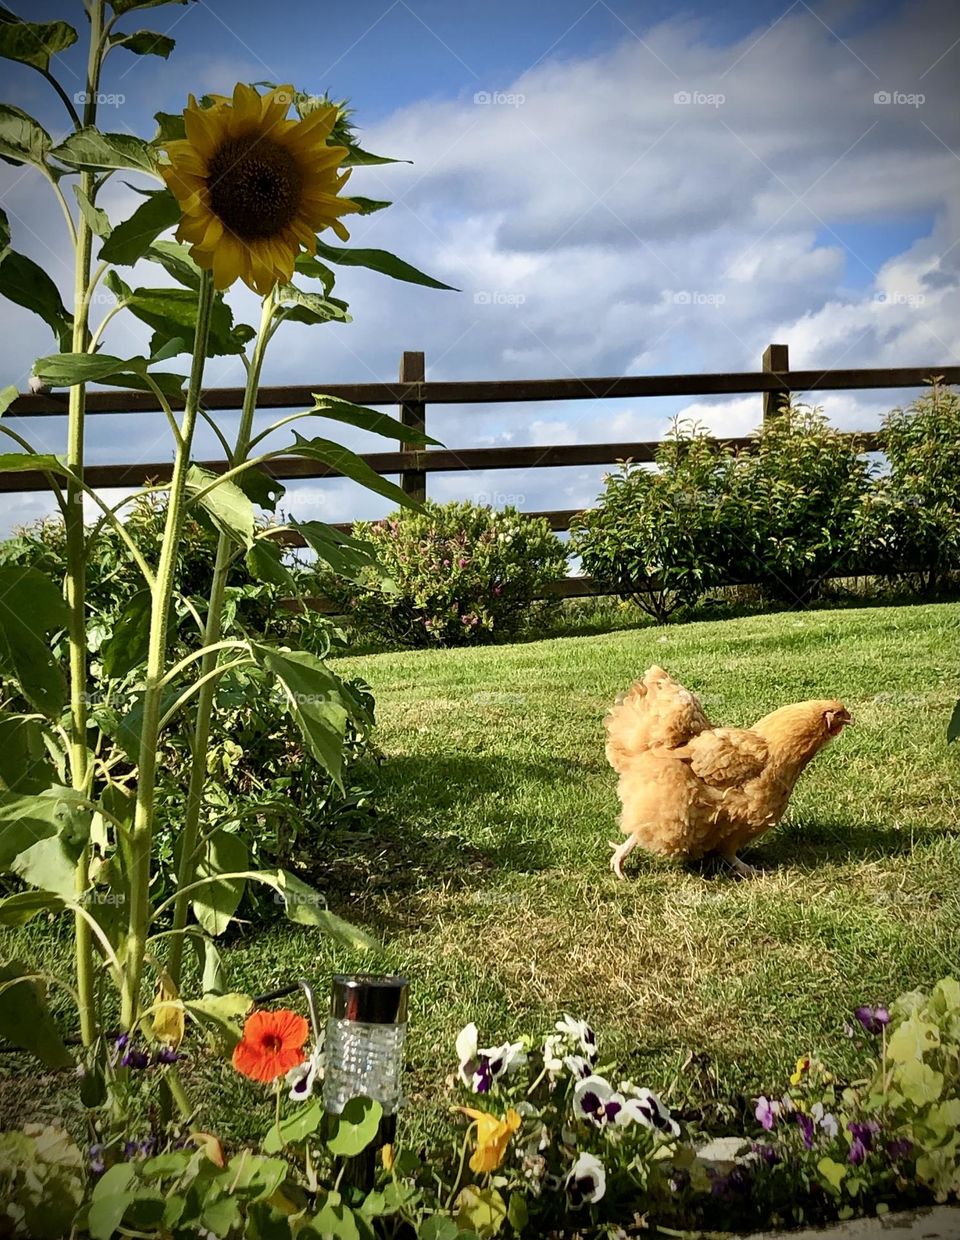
(75, 579)
(211, 637)
(141, 836)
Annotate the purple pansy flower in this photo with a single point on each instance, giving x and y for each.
(766, 1152)
(899, 1147)
(480, 1068)
(767, 1112)
(873, 1019)
(97, 1165)
(165, 1054)
(806, 1126)
(134, 1057)
(862, 1143)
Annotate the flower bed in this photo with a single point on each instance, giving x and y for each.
(547, 1140)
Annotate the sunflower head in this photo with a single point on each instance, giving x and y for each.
(255, 186)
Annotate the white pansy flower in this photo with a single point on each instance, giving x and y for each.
(587, 1181)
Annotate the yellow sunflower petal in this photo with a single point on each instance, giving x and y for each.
(228, 261)
(202, 131)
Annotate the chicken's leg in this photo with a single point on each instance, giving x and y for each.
(741, 868)
(620, 852)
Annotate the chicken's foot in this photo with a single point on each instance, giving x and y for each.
(741, 868)
(620, 852)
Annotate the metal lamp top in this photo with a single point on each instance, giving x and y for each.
(369, 998)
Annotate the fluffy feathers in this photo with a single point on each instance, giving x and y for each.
(688, 788)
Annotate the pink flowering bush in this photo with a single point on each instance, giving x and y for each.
(459, 574)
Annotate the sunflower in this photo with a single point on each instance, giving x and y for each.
(254, 186)
(271, 1044)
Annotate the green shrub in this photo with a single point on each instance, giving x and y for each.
(912, 521)
(461, 574)
(798, 498)
(662, 537)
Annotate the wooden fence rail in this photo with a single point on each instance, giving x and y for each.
(413, 394)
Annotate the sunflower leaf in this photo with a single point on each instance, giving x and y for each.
(341, 460)
(311, 307)
(89, 148)
(215, 903)
(130, 240)
(348, 556)
(170, 127)
(230, 508)
(175, 259)
(25, 283)
(32, 606)
(97, 219)
(368, 420)
(369, 205)
(357, 157)
(127, 6)
(22, 139)
(25, 1019)
(172, 313)
(382, 261)
(33, 43)
(265, 561)
(145, 43)
(67, 369)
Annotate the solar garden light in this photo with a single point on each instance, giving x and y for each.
(363, 1053)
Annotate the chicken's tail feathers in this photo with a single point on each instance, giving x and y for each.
(656, 711)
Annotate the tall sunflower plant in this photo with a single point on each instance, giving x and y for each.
(251, 186)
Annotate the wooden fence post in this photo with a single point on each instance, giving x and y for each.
(413, 413)
(776, 360)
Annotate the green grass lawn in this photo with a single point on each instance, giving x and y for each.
(486, 871)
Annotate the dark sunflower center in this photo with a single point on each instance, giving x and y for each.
(272, 1043)
(254, 186)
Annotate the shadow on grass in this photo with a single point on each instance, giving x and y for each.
(419, 844)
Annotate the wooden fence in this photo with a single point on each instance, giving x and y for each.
(413, 394)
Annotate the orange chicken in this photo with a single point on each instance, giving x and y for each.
(689, 789)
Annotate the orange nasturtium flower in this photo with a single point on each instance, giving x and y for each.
(493, 1137)
(271, 1045)
(254, 186)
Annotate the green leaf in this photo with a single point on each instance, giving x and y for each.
(262, 488)
(354, 1129)
(97, 219)
(226, 503)
(42, 837)
(832, 1172)
(25, 1019)
(30, 607)
(265, 561)
(89, 148)
(347, 463)
(517, 1214)
(22, 139)
(369, 205)
(26, 462)
(357, 158)
(304, 1121)
(953, 727)
(348, 556)
(918, 1082)
(439, 1227)
(127, 731)
(33, 43)
(17, 910)
(68, 369)
(314, 700)
(112, 1195)
(170, 127)
(221, 1018)
(24, 282)
(126, 647)
(130, 240)
(172, 313)
(307, 265)
(175, 259)
(382, 261)
(24, 762)
(7, 396)
(482, 1210)
(212, 974)
(307, 907)
(368, 420)
(215, 903)
(311, 307)
(145, 43)
(127, 6)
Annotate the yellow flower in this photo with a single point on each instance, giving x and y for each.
(803, 1066)
(387, 1157)
(254, 186)
(493, 1137)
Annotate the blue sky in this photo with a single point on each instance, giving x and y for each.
(616, 188)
